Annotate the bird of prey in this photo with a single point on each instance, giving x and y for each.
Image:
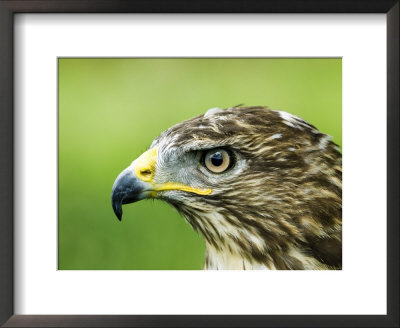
(263, 187)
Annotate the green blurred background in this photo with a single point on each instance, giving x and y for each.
(111, 109)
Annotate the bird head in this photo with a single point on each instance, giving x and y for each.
(260, 185)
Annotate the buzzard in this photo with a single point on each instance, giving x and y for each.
(263, 187)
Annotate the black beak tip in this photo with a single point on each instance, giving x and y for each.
(119, 216)
(117, 207)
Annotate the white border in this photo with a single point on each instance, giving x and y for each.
(359, 289)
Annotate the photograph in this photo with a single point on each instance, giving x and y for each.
(199, 163)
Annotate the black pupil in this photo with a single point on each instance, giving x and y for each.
(216, 159)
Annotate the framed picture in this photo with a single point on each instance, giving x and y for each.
(84, 95)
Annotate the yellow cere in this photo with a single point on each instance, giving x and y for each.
(145, 167)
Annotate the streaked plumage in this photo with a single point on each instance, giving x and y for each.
(277, 206)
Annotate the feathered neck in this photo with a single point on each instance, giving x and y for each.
(263, 239)
(233, 247)
(225, 260)
(293, 259)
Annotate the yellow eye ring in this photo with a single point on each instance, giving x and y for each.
(218, 160)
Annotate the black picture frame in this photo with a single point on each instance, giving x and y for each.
(11, 7)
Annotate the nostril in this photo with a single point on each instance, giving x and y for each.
(145, 173)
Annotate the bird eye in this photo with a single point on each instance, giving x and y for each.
(217, 160)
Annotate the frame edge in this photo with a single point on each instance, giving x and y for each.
(6, 165)
(393, 147)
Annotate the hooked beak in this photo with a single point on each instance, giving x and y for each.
(127, 188)
(136, 183)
